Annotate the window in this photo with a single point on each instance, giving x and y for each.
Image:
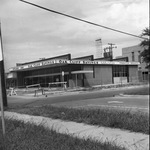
(132, 56)
(120, 71)
(139, 57)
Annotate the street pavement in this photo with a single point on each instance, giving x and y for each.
(126, 102)
(112, 98)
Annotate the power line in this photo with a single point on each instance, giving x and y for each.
(56, 12)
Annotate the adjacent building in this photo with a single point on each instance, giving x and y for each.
(133, 54)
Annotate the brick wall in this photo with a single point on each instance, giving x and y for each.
(133, 74)
(101, 75)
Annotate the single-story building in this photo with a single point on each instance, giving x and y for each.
(81, 71)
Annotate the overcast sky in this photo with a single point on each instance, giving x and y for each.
(30, 33)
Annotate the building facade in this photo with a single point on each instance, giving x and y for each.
(81, 71)
(133, 54)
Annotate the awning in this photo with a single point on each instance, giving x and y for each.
(82, 71)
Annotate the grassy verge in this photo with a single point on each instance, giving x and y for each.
(21, 136)
(138, 91)
(145, 92)
(133, 121)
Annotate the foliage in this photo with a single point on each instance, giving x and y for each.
(107, 117)
(145, 43)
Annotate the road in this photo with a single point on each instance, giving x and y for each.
(122, 102)
(109, 98)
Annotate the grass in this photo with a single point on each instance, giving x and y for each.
(138, 91)
(145, 88)
(21, 136)
(133, 121)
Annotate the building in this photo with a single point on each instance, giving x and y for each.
(82, 71)
(133, 54)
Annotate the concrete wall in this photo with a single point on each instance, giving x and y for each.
(133, 74)
(89, 77)
(102, 75)
(120, 80)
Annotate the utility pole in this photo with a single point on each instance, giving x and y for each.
(110, 51)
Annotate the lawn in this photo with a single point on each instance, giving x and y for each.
(129, 120)
(136, 88)
(21, 136)
(138, 91)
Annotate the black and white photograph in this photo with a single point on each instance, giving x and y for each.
(74, 74)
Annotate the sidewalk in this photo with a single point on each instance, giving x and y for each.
(130, 140)
(69, 91)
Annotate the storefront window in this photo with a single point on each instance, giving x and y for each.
(119, 71)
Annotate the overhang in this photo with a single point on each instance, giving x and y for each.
(82, 72)
(46, 75)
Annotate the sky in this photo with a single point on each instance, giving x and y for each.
(30, 33)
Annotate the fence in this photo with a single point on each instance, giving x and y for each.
(33, 85)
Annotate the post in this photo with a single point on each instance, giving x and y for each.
(76, 81)
(63, 78)
(121, 79)
(2, 110)
(3, 98)
(2, 73)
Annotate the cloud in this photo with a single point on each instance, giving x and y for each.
(30, 32)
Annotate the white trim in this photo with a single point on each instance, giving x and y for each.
(81, 71)
(46, 75)
(60, 61)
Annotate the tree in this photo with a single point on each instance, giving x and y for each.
(145, 43)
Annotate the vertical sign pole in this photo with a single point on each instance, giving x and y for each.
(63, 78)
(3, 97)
(76, 80)
(2, 110)
(2, 72)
